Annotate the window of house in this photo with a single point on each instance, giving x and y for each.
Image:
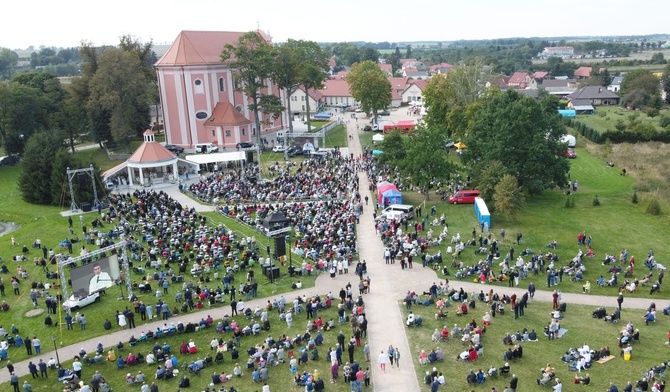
(199, 87)
(253, 131)
(302, 98)
(239, 108)
(227, 132)
(222, 85)
(244, 131)
(213, 133)
(201, 115)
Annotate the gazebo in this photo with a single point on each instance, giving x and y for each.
(150, 164)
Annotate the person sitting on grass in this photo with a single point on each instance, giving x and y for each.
(586, 380)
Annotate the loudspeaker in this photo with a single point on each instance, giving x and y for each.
(86, 207)
(81, 177)
(250, 156)
(274, 272)
(280, 246)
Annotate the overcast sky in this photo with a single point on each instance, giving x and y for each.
(66, 23)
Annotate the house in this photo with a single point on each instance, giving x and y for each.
(194, 84)
(414, 73)
(298, 100)
(387, 68)
(583, 72)
(501, 83)
(398, 85)
(335, 92)
(592, 95)
(615, 85)
(440, 68)
(414, 91)
(332, 63)
(559, 87)
(521, 80)
(540, 75)
(406, 63)
(558, 51)
(339, 76)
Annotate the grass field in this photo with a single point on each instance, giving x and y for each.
(607, 122)
(582, 329)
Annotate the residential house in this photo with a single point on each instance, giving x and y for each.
(406, 63)
(558, 51)
(559, 87)
(540, 75)
(414, 73)
(387, 68)
(501, 83)
(440, 68)
(592, 96)
(615, 86)
(299, 100)
(332, 63)
(414, 91)
(194, 85)
(398, 85)
(336, 93)
(339, 76)
(521, 80)
(583, 72)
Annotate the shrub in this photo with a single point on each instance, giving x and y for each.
(596, 202)
(654, 207)
(602, 114)
(652, 112)
(664, 121)
(634, 199)
(620, 125)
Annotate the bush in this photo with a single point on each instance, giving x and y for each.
(664, 121)
(652, 112)
(596, 202)
(654, 207)
(620, 125)
(634, 199)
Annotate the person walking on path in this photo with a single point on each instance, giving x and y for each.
(396, 357)
(383, 359)
(391, 354)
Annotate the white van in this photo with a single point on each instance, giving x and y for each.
(406, 209)
(391, 215)
(206, 148)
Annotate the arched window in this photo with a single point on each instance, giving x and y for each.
(222, 85)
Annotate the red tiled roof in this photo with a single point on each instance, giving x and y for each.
(386, 67)
(149, 152)
(199, 47)
(421, 83)
(225, 114)
(584, 72)
(398, 83)
(518, 77)
(540, 75)
(315, 94)
(336, 88)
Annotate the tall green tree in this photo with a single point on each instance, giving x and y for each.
(8, 61)
(369, 86)
(79, 93)
(393, 146)
(508, 196)
(665, 81)
(23, 112)
(638, 87)
(253, 61)
(487, 178)
(120, 88)
(48, 85)
(424, 161)
(38, 159)
(524, 135)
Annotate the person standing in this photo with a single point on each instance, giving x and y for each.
(29, 346)
(513, 383)
(82, 322)
(390, 354)
(130, 317)
(383, 359)
(43, 369)
(396, 357)
(366, 349)
(619, 299)
(14, 380)
(37, 344)
(76, 368)
(32, 368)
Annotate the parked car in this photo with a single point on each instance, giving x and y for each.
(9, 160)
(75, 302)
(570, 153)
(384, 113)
(295, 151)
(244, 145)
(367, 128)
(465, 196)
(174, 149)
(278, 148)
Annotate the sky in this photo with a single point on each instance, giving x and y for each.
(67, 23)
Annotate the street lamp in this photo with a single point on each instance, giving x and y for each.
(53, 338)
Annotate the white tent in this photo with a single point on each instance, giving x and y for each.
(217, 157)
(378, 137)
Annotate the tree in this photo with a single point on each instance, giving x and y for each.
(8, 61)
(408, 51)
(48, 85)
(23, 112)
(508, 196)
(369, 86)
(665, 81)
(393, 146)
(424, 161)
(657, 58)
(79, 93)
(524, 135)
(38, 160)
(488, 178)
(253, 60)
(638, 86)
(119, 87)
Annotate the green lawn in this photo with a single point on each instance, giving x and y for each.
(582, 329)
(280, 378)
(611, 117)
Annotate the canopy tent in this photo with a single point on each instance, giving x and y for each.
(460, 145)
(322, 116)
(377, 152)
(567, 113)
(378, 137)
(387, 194)
(217, 157)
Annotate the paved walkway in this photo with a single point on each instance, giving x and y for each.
(386, 323)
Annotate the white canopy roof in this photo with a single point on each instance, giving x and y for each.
(378, 137)
(217, 157)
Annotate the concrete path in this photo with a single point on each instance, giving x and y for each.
(388, 287)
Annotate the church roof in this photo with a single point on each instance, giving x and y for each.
(225, 114)
(149, 152)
